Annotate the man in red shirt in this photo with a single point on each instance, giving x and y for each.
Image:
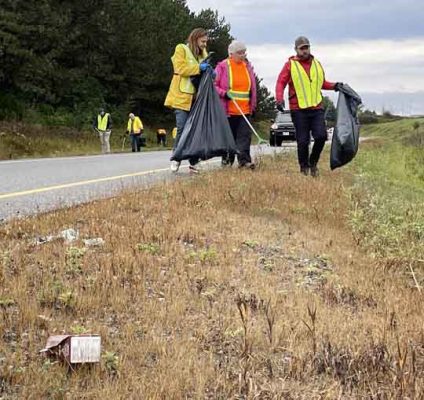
(305, 77)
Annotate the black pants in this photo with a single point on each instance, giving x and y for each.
(243, 138)
(309, 122)
(161, 140)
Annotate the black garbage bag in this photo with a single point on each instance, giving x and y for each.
(207, 133)
(345, 142)
(142, 140)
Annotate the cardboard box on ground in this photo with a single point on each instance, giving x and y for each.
(74, 349)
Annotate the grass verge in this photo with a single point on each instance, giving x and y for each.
(28, 141)
(232, 285)
(388, 196)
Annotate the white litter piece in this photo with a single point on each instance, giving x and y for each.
(70, 235)
(96, 242)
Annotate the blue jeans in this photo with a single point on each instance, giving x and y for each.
(135, 142)
(181, 117)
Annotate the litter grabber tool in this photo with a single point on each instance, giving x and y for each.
(195, 80)
(260, 139)
(124, 142)
(209, 57)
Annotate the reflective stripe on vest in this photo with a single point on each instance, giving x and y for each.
(235, 94)
(308, 89)
(186, 86)
(102, 122)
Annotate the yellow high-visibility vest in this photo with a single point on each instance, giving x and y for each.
(102, 122)
(238, 95)
(308, 88)
(186, 86)
(137, 125)
(181, 91)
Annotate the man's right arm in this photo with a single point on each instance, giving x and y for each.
(282, 82)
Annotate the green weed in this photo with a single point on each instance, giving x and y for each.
(151, 248)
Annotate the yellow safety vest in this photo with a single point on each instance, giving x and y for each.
(102, 122)
(308, 88)
(238, 95)
(186, 86)
(137, 126)
(180, 96)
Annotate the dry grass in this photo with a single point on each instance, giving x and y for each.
(235, 285)
(21, 140)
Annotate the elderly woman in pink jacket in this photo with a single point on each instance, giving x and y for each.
(236, 83)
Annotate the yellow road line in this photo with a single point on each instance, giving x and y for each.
(81, 183)
(87, 182)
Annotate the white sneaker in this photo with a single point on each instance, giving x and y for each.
(175, 166)
(198, 167)
(195, 169)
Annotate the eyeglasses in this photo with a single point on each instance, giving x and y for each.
(241, 52)
(306, 47)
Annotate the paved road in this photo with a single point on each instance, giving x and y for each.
(28, 187)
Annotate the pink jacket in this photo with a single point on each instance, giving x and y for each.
(222, 85)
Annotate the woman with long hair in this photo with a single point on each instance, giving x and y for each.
(188, 62)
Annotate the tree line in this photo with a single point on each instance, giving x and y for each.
(60, 60)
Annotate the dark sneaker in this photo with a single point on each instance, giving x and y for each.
(314, 171)
(248, 165)
(304, 171)
(226, 162)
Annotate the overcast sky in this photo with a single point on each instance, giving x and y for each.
(376, 46)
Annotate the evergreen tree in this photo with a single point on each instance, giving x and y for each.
(74, 56)
(266, 102)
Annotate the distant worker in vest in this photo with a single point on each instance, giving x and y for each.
(161, 137)
(188, 62)
(135, 130)
(102, 124)
(236, 85)
(305, 77)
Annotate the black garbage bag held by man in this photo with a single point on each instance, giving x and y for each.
(345, 144)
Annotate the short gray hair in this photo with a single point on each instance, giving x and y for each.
(236, 46)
